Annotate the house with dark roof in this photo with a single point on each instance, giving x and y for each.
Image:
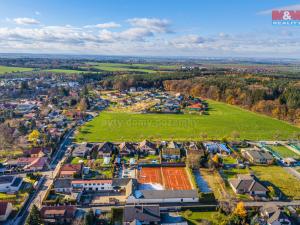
(58, 214)
(248, 184)
(5, 210)
(141, 214)
(147, 147)
(273, 215)
(62, 185)
(106, 149)
(126, 148)
(257, 156)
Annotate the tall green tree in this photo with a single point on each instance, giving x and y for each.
(34, 217)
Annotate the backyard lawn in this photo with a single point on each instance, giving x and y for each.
(284, 151)
(276, 175)
(221, 122)
(199, 217)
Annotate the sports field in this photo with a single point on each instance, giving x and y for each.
(222, 121)
(171, 178)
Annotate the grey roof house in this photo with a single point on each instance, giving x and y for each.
(274, 215)
(141, 214)
(248, 184)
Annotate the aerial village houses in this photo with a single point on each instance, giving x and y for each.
(141, 214)
(70, 170)
(106, 149)
(126, 149)
(273, 215)
(147, 147)
(58, 214)
(248, 184)
(257, 156)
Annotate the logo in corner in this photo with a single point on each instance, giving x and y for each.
(286, 17)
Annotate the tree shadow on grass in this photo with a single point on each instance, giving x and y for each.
(85, 132)
(278, 192)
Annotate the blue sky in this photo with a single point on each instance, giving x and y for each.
(156, 27)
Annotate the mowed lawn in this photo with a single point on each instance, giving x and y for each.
(9, 69)
(285, 152)
(222, 120)
(280, 178)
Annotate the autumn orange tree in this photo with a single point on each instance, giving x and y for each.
(34, 136)
(240, 210)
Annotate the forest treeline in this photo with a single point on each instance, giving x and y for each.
(279, 98)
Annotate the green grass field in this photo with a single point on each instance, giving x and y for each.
(284, 151)
(196, 218)
(222, 120)
(65, 71)
(276, 175)
(8, 69)
(145, 68)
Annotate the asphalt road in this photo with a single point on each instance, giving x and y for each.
(48, 177)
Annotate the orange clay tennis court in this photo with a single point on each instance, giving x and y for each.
(171, 178)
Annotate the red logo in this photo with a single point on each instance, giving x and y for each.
(285, 15)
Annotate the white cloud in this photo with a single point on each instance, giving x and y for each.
(37, 13)
(104, 25)
(25, 21)
(153, 24)
(147, 37)
(287, 7)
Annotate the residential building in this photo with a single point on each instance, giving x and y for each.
(171, 153)
(92, 185)
(62, 185)
(257, 156)
(58, 214)
(106, 149)
(147, 147)
(126, 149)
(70, 170)
(141, 214)
(248, 184)
(274, 215)
(80, 150)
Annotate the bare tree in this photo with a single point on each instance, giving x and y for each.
(6, 136)
(193, 161)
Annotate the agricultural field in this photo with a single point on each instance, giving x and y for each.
(8, 69)
(222, 120)
(277, 176)
(65, 71)
(144, 68)
(284, 151)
